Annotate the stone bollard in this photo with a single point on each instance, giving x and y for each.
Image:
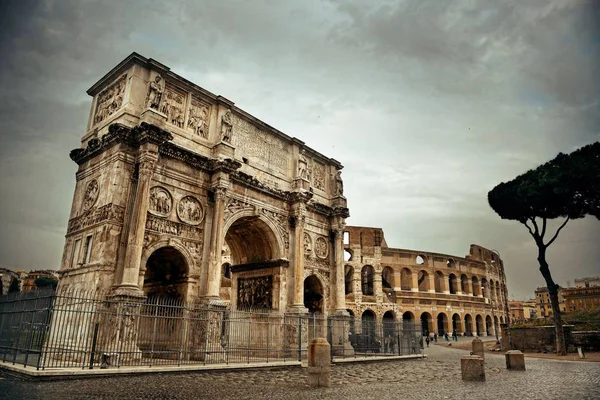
(515, 360)
(472, 369)
(319, 363)
(478, 348)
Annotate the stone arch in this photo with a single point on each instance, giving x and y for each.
(388, 323)
(457, 325)
(366, 280)
(468, 325)
(439, 281)
(424, 285)
(476, 286)
(488, 325)
(166, 274)
(408, 320)
(170, 242)
(262, 229)
(479, 324)
(348, 279)
(464, 284)
(484, 288)
(442, 323)
(405, 279)
(426, 323)
(368, 323)
(387, 278)
(496, 325)
(314, 294)
(453, 284)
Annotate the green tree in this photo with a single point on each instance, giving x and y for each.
(14, 286)
(43, 281)
(566, 187)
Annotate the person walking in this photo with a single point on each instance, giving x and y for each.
(435, 337)
(427, 341)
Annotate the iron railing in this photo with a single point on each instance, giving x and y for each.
(46, 329)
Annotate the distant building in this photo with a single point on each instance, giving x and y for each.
(543, 304)
(584, 296)
(6, 278)
(522, 310)
(28, 282)
(26, 279)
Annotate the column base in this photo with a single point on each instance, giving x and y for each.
(128, 291)
(297, 309)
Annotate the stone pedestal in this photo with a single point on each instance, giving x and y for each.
(339, 325)
(515, 360)
(319, 363)
(224, 150)
(478, 348)
(472, 369)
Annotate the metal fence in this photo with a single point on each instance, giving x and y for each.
(45, 329)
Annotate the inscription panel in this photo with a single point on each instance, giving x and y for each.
(252, 142)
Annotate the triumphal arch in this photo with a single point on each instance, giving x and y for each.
(181, 194)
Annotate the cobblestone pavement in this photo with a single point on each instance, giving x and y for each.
(436, 377)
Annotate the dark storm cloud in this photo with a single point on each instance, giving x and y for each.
(428, 105)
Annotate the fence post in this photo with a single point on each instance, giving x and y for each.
(268, 334)
(28, 341)
(94, 341)
(249, 336)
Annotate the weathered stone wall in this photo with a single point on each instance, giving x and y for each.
(589, 340)
(537, 339)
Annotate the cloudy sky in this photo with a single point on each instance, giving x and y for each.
(428, 104)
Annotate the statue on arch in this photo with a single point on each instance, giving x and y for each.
(155, 92)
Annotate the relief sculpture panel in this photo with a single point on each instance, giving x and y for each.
(198, 118)
(317, 175)
(189, 210)
(173, 106)
(110, 100)
(252, 142)
(161, 201)
(255, 292)
(91, 194)
(321, 247)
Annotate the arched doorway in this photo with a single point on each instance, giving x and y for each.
(426, 323)
(368, 339)
(479, 324)
(439, 282)
(423, 281)
(166, 274)
(442, 324)
(452, 283)
(348, 279)
(408, 321)
(406, 279)
(476, 286)
(464, 284)
(456, 324)
(488, 326)
(468, 325)
(313, 295)
(366, 280)
(389, 332)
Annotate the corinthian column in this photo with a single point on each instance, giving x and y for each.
(213, 278)
(340, 295)
(298, 256)
(131, 267)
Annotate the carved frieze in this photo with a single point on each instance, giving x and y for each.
(316, 263)
(316, 171)
(252, 142)
(165, 226)
(281, 221)
(189, 210)
(321, 247)
(255, 292)
(173, 106)
(90, 195)
(161, 202)
(234, 205)
(108, 212)
(198, 119)
(307, 244)
(110, 100)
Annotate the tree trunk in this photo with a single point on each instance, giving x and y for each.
(561, 348)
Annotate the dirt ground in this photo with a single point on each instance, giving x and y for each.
(491, 345)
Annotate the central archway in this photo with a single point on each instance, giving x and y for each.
(251, 240)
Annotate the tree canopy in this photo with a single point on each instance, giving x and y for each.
(567, 186)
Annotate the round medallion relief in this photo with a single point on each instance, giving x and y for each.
(321, 247)
(91, 194)
(161, 202)
(189, 210)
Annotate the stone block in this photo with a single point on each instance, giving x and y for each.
(477, 346)
(319, 363)
(515, 360)
(472, 369)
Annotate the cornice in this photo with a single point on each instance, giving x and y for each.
(117, 133)
(253, 183)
